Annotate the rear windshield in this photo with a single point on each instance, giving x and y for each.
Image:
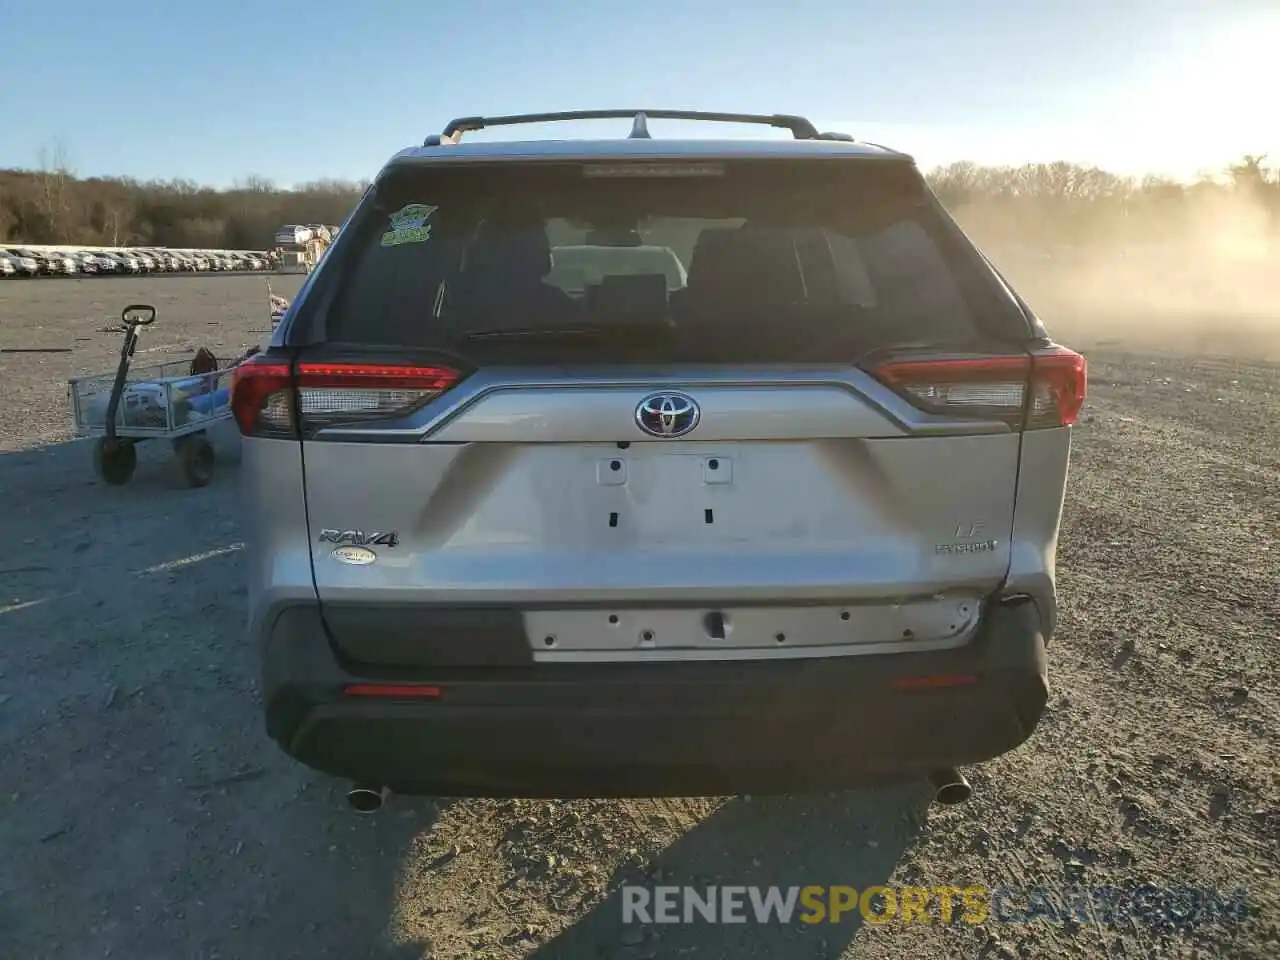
(761, 262)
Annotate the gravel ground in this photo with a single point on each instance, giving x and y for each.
(146, 815)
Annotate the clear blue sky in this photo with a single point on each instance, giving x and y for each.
(214, 91)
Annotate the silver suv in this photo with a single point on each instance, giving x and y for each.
(762, 497)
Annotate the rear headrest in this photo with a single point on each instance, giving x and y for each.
(712, 255)
(743, 267)
(520, 251)
(631, 298)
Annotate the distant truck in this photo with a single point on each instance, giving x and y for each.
(294, 235)
(302, 245)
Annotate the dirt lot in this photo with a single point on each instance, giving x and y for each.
(145, 814)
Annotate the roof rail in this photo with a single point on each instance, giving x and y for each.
(800, 128)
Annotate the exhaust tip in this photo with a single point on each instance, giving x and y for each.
(950, 787)
(366, 799)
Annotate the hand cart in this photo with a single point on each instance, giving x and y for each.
(176, 400)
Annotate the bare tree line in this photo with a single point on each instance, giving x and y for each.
(1031, 206)
(51, 205)
(1061, 205)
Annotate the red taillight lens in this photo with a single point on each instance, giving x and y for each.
(328, 393)
(994, 387)
(1059, 379)
(260, 392)
(392, 691)
(990, 387)
(347, 392)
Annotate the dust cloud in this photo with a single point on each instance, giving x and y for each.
(1152, 265)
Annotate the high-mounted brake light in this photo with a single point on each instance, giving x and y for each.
(266, 396)
(602, 171)
(996, 387)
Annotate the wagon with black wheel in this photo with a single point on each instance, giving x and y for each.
(174, 400)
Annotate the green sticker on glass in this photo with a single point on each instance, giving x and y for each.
(409, 225)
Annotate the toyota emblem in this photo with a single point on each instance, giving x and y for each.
(667, 415)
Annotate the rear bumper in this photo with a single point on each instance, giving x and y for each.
(656, 729)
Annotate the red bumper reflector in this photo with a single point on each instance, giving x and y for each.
(393, 691)
(934, 682)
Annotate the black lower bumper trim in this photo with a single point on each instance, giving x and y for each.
(660, 729)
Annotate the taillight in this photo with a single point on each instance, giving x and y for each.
(330, 393)
(260, 397)
(996, 387)
(266, 396)
(1059, 378)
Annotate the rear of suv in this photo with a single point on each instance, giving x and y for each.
(757, 488)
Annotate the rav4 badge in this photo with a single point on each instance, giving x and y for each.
(358, 538)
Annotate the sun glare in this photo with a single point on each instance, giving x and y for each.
(1211, 99)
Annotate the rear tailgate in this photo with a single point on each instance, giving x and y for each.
(809, 448)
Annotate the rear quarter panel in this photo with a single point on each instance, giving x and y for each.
(278, 554)
(1037, 517)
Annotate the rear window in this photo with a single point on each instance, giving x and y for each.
(762, 261)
